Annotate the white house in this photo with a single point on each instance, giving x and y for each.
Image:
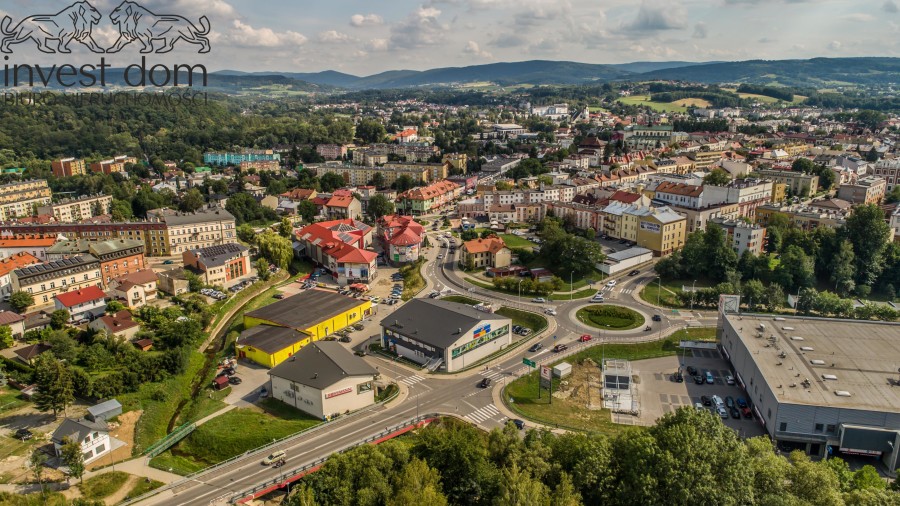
(86, 303)
(94, 438)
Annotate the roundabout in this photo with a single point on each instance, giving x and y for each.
(609, 317)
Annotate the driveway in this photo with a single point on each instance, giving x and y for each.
(253, 376)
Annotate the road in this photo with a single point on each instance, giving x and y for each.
(457, 395)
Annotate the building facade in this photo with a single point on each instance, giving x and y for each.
(201, 229)
(490, 252)
(66, 167)
(223, 265)
(866, 190)
(235, 159)
(22, 198)
(45, 281)
(77, 209)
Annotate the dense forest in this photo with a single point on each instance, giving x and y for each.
(689, 458)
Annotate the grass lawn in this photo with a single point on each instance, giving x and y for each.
(535, 322)
(523, 391)
(229, 435)
(33, 499)
(208, 402)
(10, 399)
(610, 317)
(461, 299)
(515, 241)
(580, 294)
(144, 486)
(103, 485)
(759, 98)
(666, 297)
(413, 281)
(489, 286)
(656, 106)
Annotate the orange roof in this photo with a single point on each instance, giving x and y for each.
(492, 244)
(28, 241)
(431, 191)
(340, 201)
(17, 261)
(409, 132)
(299, 194)
(687, 190)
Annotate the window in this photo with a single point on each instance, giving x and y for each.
(782, 426)
(100, 449)
(819, 427)
(830, 428)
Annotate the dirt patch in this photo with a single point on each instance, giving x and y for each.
(122, 430)
(119, 495)
(583, 386)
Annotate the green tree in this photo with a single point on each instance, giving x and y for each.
(827, 178)
(121, 210)
(565, 494)
(114, 307)
(370, 131)
(403, 183)
(868, 232)
(307, 210)
(796, 269)
(286, 228)
(378, 180)
(6, 337)
(719, 255)
(301, 495)
(191, 201)
(893, 196)
(36, 466)
(62, 345)
(330, 182)
(73, 457)
(872, 155)
(246, 233)
(59, 319)
(457, 451)
(717, 177)
(843, 268)
(417, 484)
(812, 483)
(804, 165)
(276, 249)
(54, 384)
(379, 206)
(572, 254)
(262, 269)
(519, 489)
(867, 477)
(20, 301)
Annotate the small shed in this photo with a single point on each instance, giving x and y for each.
(220, 382)
(562, 369)
(104, 411)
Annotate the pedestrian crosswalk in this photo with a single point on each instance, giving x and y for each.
(492, 374)
(627, 290)
(483, 414)
(412, 380)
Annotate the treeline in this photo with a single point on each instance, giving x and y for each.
(694, 125)
(769, 91)
(688, 457)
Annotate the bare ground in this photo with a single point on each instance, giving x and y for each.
(583, 386)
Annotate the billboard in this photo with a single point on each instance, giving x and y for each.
(650, 227)
(546, 376)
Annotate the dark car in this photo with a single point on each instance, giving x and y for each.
(234, 380)
(678, 377)
(560, 347)
(345, 339)
(535, 347)
(729, 401)
(24, 434)
(623, 241)
(634, 272)
(741, 402)
(691, 370)
(229, 371)
(657, 318)
(360, 353)
(485, 382)
(746, 412)
(516, 329)
(518, 423)
(698, 379)
(358, 326)
(278, 296)
(706, 400)
(735, 413)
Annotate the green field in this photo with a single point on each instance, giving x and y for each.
(535, 322)
(759, 98)
(656, 106)
(103, 485)
(144, 486)
(462, 299)
(514, 241)
(609, 317)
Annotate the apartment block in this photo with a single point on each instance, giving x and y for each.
(77, 209)
(235, 159)
(45, 281)
(118, 257)
(202, 229)
(113, 165)
(66, 167)
(800, 184)
(22, 198)
(866, 190)
(332, 151)
(890, 171)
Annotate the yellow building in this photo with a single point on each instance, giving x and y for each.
(779, 192)
(458, 161)
(277, 331)
(661, 230)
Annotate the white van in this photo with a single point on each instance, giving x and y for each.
(273, 458)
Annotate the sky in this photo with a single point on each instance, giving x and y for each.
(364, 37)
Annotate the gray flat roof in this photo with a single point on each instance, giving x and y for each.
(625, 254)
(270, 339)
(306, 309)
(435, 322)
(322, 364)
(863, 356)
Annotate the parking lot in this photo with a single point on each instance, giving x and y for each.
(659, 393)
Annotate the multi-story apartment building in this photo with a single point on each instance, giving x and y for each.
(66, 167)
(118, 257)
(202, 229)
(458, 161)
(332, 151)
(436, 171)
(359, 176)
(153, 234)
(223, 265)
(889, 170)
(113, 165)
(800, 184)
(33, 244)
(423, 199)
(679, 194)
(261, 166)
(698, 218)
(659, 229)
(748, 194)
(22, 198)
(77, 209)
(369, 157)
(232, 158)
(866, 190)
(44, 281)
(804, 217)
(706, 158)
(743, 236)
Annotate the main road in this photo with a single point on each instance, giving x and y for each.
(457, 395)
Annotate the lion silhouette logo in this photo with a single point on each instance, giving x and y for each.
(75, 22)
(137, 23)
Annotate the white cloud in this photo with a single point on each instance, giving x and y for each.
(366, 20)
(184, 7)
(377, 45)
(890, 6)
(655, 15)
(700, 30)
(860, 17)
(334, 37)
(246, 35)
(834, 45)
(421, 28)
(473, 49)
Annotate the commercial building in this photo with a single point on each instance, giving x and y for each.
(826, 386)
(698, 218)
(223, 265)
(340, 246)
(66, 167)
(45, 281)
(77, 209)
(621, 261)
(22, 198)
(490, 252)
(424, 199)
(324, 379)
(866, 190)
(800, 184)
(231, 158)
(82, 304)
(279, 330)
(438, 333)
(401, 238)
(117, 256)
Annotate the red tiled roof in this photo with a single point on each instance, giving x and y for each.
(492, 244)
(625, 197)
(28, 241)
(687, 190)
(298, 194)
(140, 277)
(17, 261)
(119, 321)
(87, 294)
(340, 201)
(7, 317)
(431, 191)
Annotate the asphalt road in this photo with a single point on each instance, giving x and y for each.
(457, 395)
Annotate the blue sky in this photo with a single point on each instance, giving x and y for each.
(366, 37)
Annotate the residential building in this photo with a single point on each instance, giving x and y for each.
(173, 281)
(66, 167)
(895, 223)
(45, 281)
(698, 218)
(22, 198)
(401, 238)
(889, 170)
(92, 436)
(800, 184)
(299, 195)
(490, 252)
(82, 304)
(748, 194)
(825, 386)
(153, 233)
(423, 199)
(369, 158)
(235, 159)
(260, 166)
(442, 334)
(342, 207)
(358, 176)
(224, 265)
(866, 190)
(435, 171)
(120, 325)
(332, 151)
(805, 217)
(324, 379)
(660, 229)
(458, 162)
(29, 353)
(340, 247)
(276, 332)
(679, 194)
(201, 229)
(113, 165)
(117, 256)
(15, 322)
(743, 236)
(79, 208)
(135, 289)
(11, 263)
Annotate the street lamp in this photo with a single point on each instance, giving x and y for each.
(693, 289)
(658, 288)
(520, 287)
(571, 288)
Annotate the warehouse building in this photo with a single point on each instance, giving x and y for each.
(324, 379)
(278, 331)
(438, 333)
(826, 386)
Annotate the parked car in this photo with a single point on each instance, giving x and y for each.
(705, 400)
(559, 348)
(360, 353)
(698, 406)
(585, 338)
(229, 371)
(485, 382)
(535, 347)
(634, 272)
(746, 412)
(24, 434)
(741, 402)
(729, 401)
(539, 300)
(169, 262)
(723, 413)
(678, 377)
(691, 370)
(709, 378)
(525, 331)
(735, 412)
(234, 380)
(516, 329)
(698, 379)
(729, 379)
(345, 339)
(518, 423)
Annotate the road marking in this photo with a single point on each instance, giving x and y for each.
(412, 380)
(539, 353)
(492, 374)
(483, 414)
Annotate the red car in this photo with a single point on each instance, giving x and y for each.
(585, 338)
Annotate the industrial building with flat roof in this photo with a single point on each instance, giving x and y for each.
(824, 385)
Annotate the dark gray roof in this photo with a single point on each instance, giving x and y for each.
(322, 364)
(270, 339)
(436, 322)
(305, 309)
(202, 216)
(76, 430)
(214, 256)
(49, 269)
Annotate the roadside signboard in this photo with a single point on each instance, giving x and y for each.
(529, 363)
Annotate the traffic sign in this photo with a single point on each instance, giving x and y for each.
(529, 363)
